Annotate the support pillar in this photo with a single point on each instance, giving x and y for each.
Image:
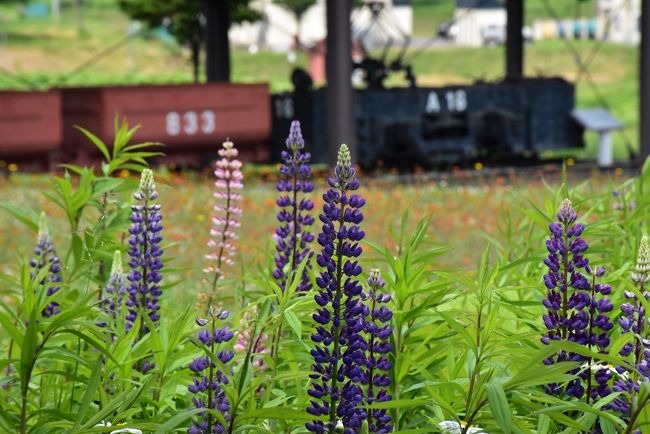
(339, 97)
(644, 82)
(217, 47)
(514, 39)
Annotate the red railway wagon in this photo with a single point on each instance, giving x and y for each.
(30, 127)
(190, 120)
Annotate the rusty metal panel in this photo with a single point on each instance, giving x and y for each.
(185, 118)
(30, 123)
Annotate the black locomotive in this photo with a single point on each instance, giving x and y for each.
(442, 125)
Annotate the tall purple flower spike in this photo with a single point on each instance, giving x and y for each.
(339, 350)
(145, 256)
(46, 257)
(208, 380)
(292, 236)
(577, 309)
(378, 332)
(635, 323)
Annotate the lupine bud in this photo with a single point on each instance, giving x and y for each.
(292, 236)
(45, 256)
(339, 350)
(642, 269)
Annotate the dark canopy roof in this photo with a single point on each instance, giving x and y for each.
(479, 4)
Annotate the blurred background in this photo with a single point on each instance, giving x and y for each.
(435, 85)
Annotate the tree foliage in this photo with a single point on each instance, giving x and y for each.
(183, 18)
(297, 7)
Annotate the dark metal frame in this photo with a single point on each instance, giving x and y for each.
(644, 83)
(217, 48)
(339, 104)
(514, 39)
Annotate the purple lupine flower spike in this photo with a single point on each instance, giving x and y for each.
(339, 350)
(596, 375)
(208, 380)
(292, 236)
(377, 365)
(635, 323)
(114, 291)
(45, 256)
(576, 309)
(145, 252)
(226, 218)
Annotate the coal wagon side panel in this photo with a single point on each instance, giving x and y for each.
(187, 119)
(30, 124)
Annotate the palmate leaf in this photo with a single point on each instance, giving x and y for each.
(399, 403)
(294, 323)
(8, 322)
(91, 390)
(119, 407)
(543, 374)
(99, 144)
(461, 330)
(179, 419)
(643, 406)
(24, 215)
(499, 405)
(416, 431)
(297, 415)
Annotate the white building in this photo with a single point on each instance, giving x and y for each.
(473, 18)
(618, 20)
(278, 28)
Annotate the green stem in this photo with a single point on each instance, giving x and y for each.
(23, 413)
(276, 349)
(102, 218)
(218, 274)
(635, 415)
(469, 420)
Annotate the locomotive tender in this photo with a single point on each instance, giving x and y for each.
(415, 125)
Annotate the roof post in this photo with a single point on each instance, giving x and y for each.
(217, 48)
(339, 97)
(644, 85)
(514, 39)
